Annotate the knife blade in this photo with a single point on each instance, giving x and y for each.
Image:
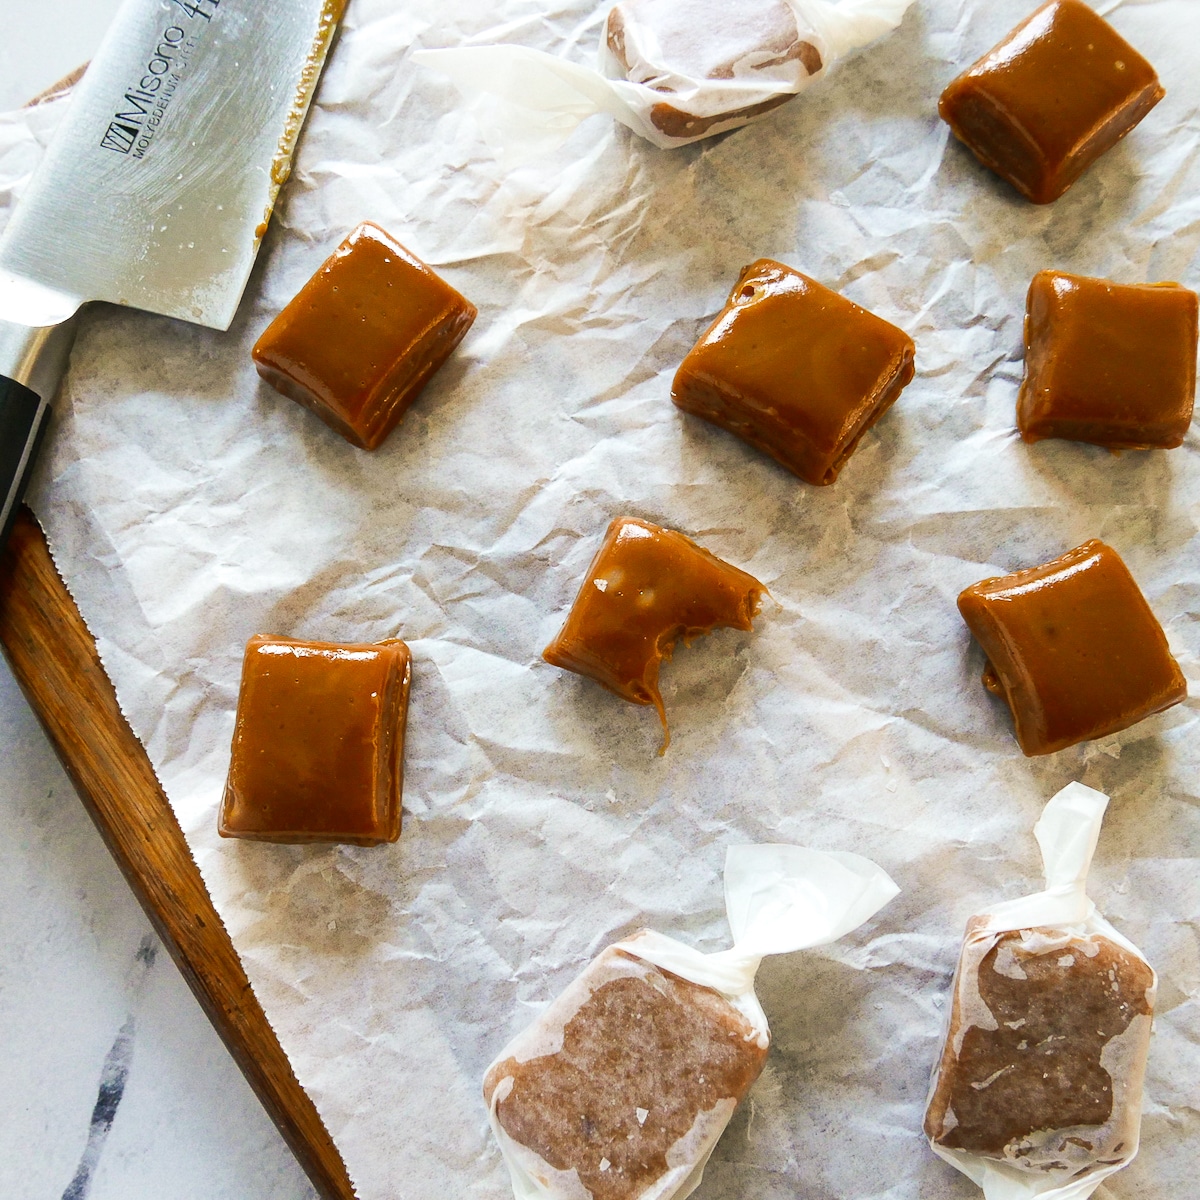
(156, 190)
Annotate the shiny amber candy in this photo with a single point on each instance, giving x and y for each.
(794, 369)
(363, 336)
(646, 588)
(1109, 363)
(1073, 647)
(318, 744)
(1050, 99)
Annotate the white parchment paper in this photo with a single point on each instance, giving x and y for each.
(190, 506)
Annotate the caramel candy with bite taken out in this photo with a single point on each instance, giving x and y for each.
(1073, 647)
(1050, 99)
(794, 369)
(626, 1064)
(1108, 363)
(318, 744)
(1043, 1061)
(697, 40)
(646, 588)
(363, 336)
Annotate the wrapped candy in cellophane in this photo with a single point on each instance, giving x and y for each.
(674, 71)
(622, 1087)
(1038, 1091)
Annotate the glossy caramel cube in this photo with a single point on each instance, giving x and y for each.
(795, 370)
(1044, 1057)
(318, 745)
(362, 337)
(1053, 96)
(646, 588)
(622, 1086)
(1073, 647)
(1108, 363)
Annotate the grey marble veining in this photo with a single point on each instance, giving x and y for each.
(115, 1086)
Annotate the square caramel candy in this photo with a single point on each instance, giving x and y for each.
(1109, 363)
(794, 369)
(363, 336)
(1073, 647)
(318, 744)
(646, 588)
(1044, 104)
(624, 1084)
(1045, 1053)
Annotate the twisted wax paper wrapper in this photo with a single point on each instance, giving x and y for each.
(778, 899)
(534, 100)
(1067, 833)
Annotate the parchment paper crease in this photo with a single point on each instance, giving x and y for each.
(191, 506)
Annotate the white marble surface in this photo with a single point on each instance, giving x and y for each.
(115, 1085)
(96, 1022)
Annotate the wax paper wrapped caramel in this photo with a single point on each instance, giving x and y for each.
(1038, 1089)
(674, 71)
(622, 1087)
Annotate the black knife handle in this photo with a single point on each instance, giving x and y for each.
(23, 421)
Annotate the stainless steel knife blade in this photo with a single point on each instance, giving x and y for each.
(156, 189)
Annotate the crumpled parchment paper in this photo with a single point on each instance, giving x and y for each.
(190, 506)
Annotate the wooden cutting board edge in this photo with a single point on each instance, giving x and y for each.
(54, 660)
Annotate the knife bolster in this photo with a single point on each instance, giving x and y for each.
(33, 359)
(23, 420)
(36, 355)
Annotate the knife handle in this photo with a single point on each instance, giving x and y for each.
(24, 416)
(33, 359)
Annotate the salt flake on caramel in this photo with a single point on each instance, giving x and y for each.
(646, 588)
(363, 336)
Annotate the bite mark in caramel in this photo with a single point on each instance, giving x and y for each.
(647, 588)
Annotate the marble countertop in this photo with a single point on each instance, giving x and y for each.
(117, 1087)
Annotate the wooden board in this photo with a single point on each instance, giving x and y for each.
(54, 659)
